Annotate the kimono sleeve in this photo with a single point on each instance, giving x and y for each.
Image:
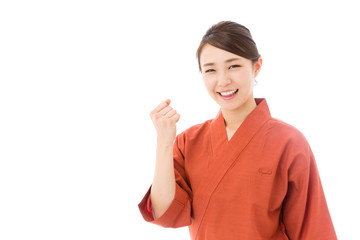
(179, 212)
(305, 212)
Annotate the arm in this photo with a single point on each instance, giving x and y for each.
(170, 194)
(163, 187)
(178, 214)
(305, 212)
(164, 118)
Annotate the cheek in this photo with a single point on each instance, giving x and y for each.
(209, 83)
(242, 77)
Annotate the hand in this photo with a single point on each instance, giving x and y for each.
(164, 119)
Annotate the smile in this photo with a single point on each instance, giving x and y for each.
(228, 93)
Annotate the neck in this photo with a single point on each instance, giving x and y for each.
(234, 118)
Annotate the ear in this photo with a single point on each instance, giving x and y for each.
(257, 66)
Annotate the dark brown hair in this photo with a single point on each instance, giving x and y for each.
(231, 37)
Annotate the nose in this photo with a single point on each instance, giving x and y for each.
(223, 79)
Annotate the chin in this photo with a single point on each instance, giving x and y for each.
(230, 107)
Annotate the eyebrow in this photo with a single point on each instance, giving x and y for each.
(227, 61)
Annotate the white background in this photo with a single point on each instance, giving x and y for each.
(79, 78)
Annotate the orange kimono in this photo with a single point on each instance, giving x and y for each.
(262, 184)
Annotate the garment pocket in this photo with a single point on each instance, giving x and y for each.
(265, 190)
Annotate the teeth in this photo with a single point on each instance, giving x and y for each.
(227, 93)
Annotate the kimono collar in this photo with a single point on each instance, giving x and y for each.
(252, 122)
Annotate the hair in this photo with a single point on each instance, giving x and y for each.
(231, 37)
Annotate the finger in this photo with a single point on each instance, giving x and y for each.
(162, 105)
(170, 114)
(176, 117)
(167, 101)
(165, 110)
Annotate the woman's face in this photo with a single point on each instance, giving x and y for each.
(228, 77)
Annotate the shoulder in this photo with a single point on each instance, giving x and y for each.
(287, 140)
(291, 143)
(278, 129)
(194, 133)
(196, 130)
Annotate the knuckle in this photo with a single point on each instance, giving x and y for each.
(156, 116)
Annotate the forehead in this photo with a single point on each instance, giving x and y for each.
(210, 53)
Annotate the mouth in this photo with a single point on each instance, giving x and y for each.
(227, 95)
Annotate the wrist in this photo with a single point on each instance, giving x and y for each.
(165, 142)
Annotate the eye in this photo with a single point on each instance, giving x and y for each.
(234, 66)
(209, 70)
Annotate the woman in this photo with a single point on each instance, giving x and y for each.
(243, 174)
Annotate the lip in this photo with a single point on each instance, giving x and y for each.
(228, 90)
(229, 97)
